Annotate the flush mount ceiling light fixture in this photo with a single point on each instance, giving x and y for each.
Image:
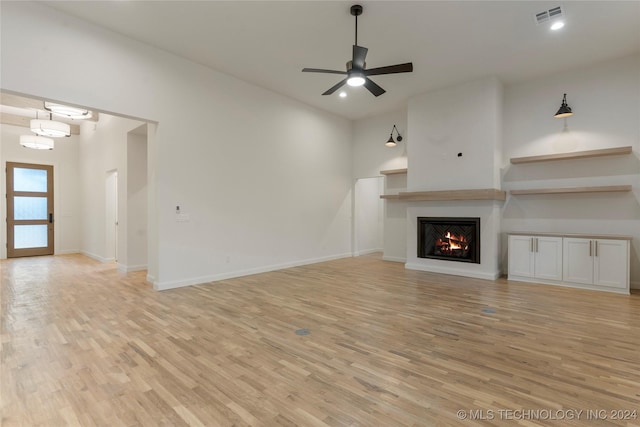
(50, 128)
(564, 110)
(36, 142)
(67, 111)
(391, 142)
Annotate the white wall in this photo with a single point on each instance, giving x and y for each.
(66, 198)
(266, 181)
(368, 213)
(370, 156)
(463, 119)
(137, 192)
(466, 120)
(103, 149)
(605, 99)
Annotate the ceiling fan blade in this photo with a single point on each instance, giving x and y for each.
(372, 87)
(320, 70)
(359, 55)
(391, 69)
(336, 87)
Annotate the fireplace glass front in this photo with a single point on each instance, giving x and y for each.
(449, 238)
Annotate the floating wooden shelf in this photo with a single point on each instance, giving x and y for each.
(566, 190)
(390, 196)
(394, 171)
(448, 195)
(575, 155)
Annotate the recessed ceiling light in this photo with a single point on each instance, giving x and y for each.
(343, 94)
(557, 25)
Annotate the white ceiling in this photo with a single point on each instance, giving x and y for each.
(268, 43)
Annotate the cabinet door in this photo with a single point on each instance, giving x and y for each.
(521, 256)
(577, 265)
(611, 263)
(548, 258)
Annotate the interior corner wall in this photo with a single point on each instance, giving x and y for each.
(368, 213)
(137, 195)
(605, 99)
(103, 148)
(277, 193)
(370, 156)
(65, 161)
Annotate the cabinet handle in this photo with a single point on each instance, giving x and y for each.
(596, 248)
(531, 244)
(590, 248)
(536, 244)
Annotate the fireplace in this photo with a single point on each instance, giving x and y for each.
(451, 239)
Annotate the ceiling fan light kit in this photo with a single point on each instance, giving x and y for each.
(357, 74)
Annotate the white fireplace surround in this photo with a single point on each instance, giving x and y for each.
(488, 211)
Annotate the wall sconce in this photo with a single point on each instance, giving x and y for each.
(565, 110)
(391, 142)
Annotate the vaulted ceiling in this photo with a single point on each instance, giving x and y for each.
(268, 43)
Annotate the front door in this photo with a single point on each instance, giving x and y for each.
(29, 210)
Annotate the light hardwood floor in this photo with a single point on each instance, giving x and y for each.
(85, 345)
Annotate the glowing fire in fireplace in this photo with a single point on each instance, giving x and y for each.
(451, 244)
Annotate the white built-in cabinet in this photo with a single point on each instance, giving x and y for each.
(589, 262)
(599, 262)
(536, 257)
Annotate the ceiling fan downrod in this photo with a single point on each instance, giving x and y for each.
(356, 10)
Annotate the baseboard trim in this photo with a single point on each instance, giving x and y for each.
(452, 271)
(129, 268)
(393, 259)
(163, 286)
(96, 257)
(68, 252)
(367, 252)
(567, 285)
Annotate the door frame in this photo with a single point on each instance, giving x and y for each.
(50, 248)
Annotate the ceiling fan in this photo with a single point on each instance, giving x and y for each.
(357, 74)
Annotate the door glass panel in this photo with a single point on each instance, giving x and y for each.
(30, 236)
(29, 208)
(29, 180)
